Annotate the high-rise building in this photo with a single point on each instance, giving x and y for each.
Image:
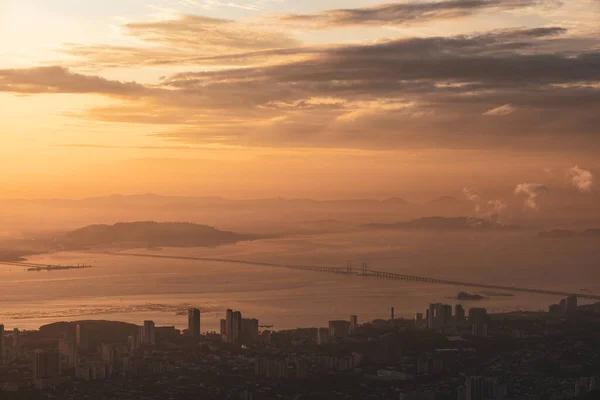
(353, 323)
(17, 342)
(229, 325)
(250, 330)
(132, 343)
(392, 316)
(322, 335)
(237, 327)
(2, 350)
(194, 322)
(46, 364)
(148, 333)
(81, 338)
(339, 329)
(459, 313)
(223, 330)
(479, 315)
(439, 316)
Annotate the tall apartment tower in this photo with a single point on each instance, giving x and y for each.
(353, 323)
(46, 364)
(194, 322)
(148, 333)
(17, 342)
(459, 313)
(229, 325)
(2, 350)
(81, 338)
(237, 327)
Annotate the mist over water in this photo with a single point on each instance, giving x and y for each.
(133, 289)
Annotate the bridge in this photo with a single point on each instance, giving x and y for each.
(423, 279)
(366, 272)
(330, 270)
(43, 267)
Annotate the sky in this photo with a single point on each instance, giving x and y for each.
(322, 99)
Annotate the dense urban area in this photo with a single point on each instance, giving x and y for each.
(446, 352)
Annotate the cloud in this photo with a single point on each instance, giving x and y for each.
(449, 83)
(496, 210)
(191, 39)
(473, 196)
(501, 111)
(582, 179)
(61, 80)
(531, 191)
(430, 92)
(209, 35)
(406, 12)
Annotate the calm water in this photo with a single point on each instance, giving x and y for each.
(135, 289)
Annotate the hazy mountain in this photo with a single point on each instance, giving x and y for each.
(148, 234)
(437, 223)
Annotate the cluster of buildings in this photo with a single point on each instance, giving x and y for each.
(440, 317)
(446, 353)
(238, 330)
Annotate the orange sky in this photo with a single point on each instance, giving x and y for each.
(259, 98)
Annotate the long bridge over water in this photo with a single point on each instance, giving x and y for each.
(366, 272)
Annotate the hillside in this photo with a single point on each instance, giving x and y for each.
(436, 223)
(148, 234)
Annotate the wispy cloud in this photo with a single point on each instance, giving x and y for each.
(404, 13)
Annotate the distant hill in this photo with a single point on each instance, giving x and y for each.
(563, 233)
(459, 223)
(148, 234)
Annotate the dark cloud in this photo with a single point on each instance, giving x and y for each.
(408, 12)
(514, 88)
(61, 80)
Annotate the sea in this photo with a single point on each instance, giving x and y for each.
(134, 289)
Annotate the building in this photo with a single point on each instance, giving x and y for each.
(46, 364)
(480, 329)
(339, 329)
(68, 352)
(81, 338)
(133, 343)
(2, 349)
(418, 318)
(16, 343)
(479, 315)
(237, 328)
(249, 330)
(459, 313)
(229, 325)
(194, 322)
(353, 323)
(148, 333)
(439, 316)
(322, 335)
(481, 388)
(223, 330)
